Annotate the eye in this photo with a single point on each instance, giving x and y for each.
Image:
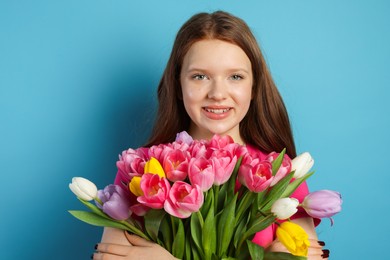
(199, 77)
(237, 77)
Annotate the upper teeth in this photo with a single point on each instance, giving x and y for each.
(217, 111)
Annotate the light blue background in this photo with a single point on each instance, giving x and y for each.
(77, 86)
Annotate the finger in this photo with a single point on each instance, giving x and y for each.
(325, 253)
(318, 253)
(137, 240)
(313, 251)
(316, 243)
(106, 256)
(114, 249)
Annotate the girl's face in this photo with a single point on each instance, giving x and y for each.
(216, 80)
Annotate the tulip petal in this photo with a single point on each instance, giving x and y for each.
(153, 166)
(286, 239)
(135, 186)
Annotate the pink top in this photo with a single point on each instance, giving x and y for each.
(265, 237)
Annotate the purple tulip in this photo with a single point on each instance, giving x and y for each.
(184, 137)
(116, 202)
(322, 204)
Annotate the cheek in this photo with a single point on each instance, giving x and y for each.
(191, 94)
(243, 97)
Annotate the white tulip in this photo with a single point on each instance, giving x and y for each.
(285, 207)
(302, 164)
(83, 188)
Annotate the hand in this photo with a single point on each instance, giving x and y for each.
(315, 251)
(138, 248)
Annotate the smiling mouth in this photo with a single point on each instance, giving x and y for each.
(217, 110)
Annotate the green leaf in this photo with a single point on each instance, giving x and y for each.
(226, 226)
(294, 184)
(94, 208)
(196, 254)
(209, 195)
(276, 192)
(209, 237)
(258, 225)
(196, 225)
(282, 256)
(232, 180)
(179, 240)
(166, 233)
(242, 252)
(153, 221)
(188, 246)
(240, 230)
(244, 203)
(256, 251)
(96, 220)
(277, 162)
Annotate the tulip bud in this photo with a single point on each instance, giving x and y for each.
(294, 238)
(184, 137)
(115, 202)
(302, 164)
(83, 188)
(135, 186)
(322, 204)
(153, 166)
(285, 207)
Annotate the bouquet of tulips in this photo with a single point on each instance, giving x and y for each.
(206, 199)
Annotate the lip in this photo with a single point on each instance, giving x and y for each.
(217, 112)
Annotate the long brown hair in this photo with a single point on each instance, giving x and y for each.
(266, 125)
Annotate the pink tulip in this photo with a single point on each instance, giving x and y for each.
(256, 178)
(139, 209)
(223, 164)
(240, 151)
(131, 163)
(201, 173)
(322, 203)
(218, 142)
(197, 149)
(180, 146)
(183, 199)
(160, 151)
(284, 168)
(176, 165)
(252, 159)
(155, 191)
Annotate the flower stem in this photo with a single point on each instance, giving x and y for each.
(99, 201)
(134, 230)
(216, 200)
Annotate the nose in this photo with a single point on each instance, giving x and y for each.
(218, 90)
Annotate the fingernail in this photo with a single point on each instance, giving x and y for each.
(92, 256)
(130, 233)
(321, 243)
(325, 253)
(96, 246)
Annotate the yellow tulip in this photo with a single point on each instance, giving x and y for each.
(135, 186)
(153, 166)
(294, 238)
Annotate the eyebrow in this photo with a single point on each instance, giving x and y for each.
(194, 69)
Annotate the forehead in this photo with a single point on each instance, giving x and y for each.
(216, 52)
